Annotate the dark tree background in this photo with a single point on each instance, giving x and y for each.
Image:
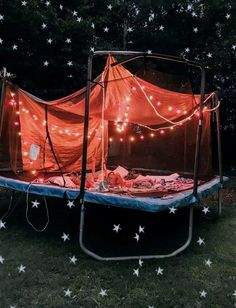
(46, 43)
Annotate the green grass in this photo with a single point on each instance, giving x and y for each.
(49, 273)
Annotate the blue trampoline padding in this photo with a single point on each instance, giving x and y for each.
(148, 204)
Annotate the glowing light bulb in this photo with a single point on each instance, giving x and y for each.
(162, 132)
(172, 127)
(170, 108)
(150, 97)
(16, 123)
(178, 111)
(141, 137)
(33, 172)
(18, 112)
(158, 103)
(19, 133)
(185, 111)
(133, 88)
(110, 139)
(152, 135)
(128, 98)
(12, 94)
(132, 138)
(25, 153)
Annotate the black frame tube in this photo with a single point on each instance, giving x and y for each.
(219, 143)
(86, 125)
(3, 92)
(199, 133)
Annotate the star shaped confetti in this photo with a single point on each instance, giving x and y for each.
(92, 49)
(130, 29)
(106, 29)
(209, 55)
(159, 271)
(234, 47)
(23, 3)
(67, 292)
(12, 306)
(195, 30)
(227, 16)
(140, 262)
(136, 272)
(109, 7)
(1, 17)
(68, 40)
(1, 259)
(1, 40)
(70, 63)
(187, 49)
(208, 262)
(205, 209)
(65, 237)
(203, 293)
(172, 210)
(116, 228)
(2, 224)
(47, 3)
(200, 241)
(73, 259)
(45, 63)
(234, 294)
(49, 41)
(21, 268)
(103, 293)
(161, 28)
(70, 203)
(141, 229)
(78, 19)
(44, 26)
(74, 13)
(61, 7)
(149, 52)
(14, 47)
(136, 237)
(35, 204)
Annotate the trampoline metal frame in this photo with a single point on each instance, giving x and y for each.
(134, 55)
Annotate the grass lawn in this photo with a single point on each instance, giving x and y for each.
(49, 273)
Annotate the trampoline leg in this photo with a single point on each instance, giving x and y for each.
(100, 258)
(219, 203)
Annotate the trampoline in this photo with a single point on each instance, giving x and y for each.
(32, 149)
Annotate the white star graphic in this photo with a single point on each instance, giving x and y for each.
(140, 262)
(103, 292)
(48, 3)
(141, 229)
(106, 29)
(65, 237)
(67, 292)
(208, 262)
(203, 293)
(93, 25)
(45, 63)
(194, 14)
(161, 28)
(1, 259)
(200, 241)
(1, 40)
(70, 204)
(234, 294)
(233, 47)
(44, 26)
(73, 259)
(35, 204)
(109, 7)
(14, 47)
(2, 225)
(159, 271)
(116, 228)
(70, 63)
(68, 40)
(61, 7)
(227, 16)
(205, 209)
(92, 49)
(136, 272)
(136, 237)
(12, 306)
(78, 19)
(195, 30)
(130, 29)
(21, 268)
(172, 210)
(49, 41)
(74, 13)
(187, 49)
(23, 3)
(149, 52)
(189, 7)
(209, 55)
(1, 17)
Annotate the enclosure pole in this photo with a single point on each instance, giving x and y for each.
(86, 125)
(199, 133)
(219, 143)
(3, 92)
